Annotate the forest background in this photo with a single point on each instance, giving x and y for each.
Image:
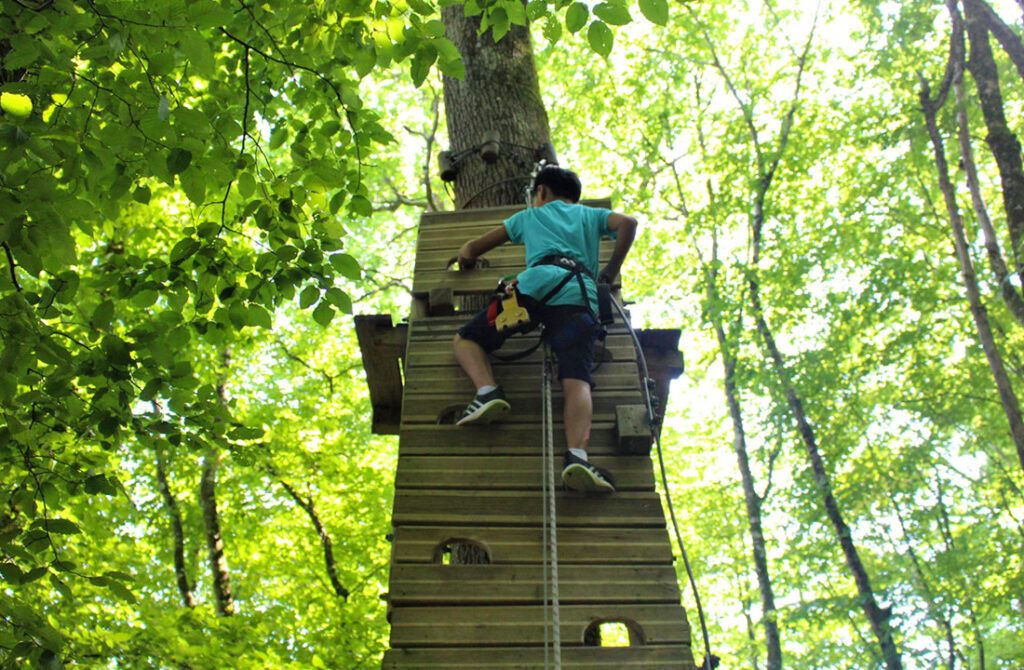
(197, 196)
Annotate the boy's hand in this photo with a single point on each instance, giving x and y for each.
(467, 261)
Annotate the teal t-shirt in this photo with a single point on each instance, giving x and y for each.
(559, 229)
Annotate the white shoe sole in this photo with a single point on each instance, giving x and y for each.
(579, 478)
(495, 409)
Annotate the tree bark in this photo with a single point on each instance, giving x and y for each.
(752, 500)
(500, 94)
(1011, 296)
(877, 616)
(1008, 39)
(325, 539)
(180, 573)
(1011, 406)
(223, 601)
(1001, 140)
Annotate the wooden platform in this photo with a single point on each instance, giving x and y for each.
(481, 485)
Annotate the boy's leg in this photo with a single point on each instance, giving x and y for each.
(471, 345)
(573, 335)
(473, 359)
(579, 413)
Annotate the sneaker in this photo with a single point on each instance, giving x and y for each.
(485, 408)
(583, 476)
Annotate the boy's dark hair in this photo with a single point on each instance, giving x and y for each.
(562, 183)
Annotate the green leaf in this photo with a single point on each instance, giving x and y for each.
(17, 105)
(309, 295)
(141, 195)
(259, 316)
(421, 63)
(184, 249)
(655, 11)
(61, 587)
(454, 68)
(576, 17)
(278, 136)
(323, 314)
(287, 253)
(11, 573)
(347, 266)
(613, 13)
(599, 35)
(62, 526)
(360, 205)
(246, 184)
(421, 7)
(339, 299)
(178, 160)
(99, 484)
(193, 182)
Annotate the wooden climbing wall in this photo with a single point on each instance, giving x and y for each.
(482, 484)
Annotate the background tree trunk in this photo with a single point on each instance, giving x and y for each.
(1001, 140)
(499, 94)
(223, 601)
(181, 575)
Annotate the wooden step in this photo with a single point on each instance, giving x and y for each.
(506, 544)
(526, 410)
(414, 584)
(630, 473)
(524, 508)
(440, 237)
(451, 381)
(497, 625)
(503, 439)
(660, 657)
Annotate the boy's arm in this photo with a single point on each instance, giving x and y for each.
(624, 226)
(473, 249)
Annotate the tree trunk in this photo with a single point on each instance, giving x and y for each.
(223, 602)
(1001, 31)
(877, 616)
(1001, 140)
(181, 575)
(1011, 295)
(1005, 389)
(500, 94)
(751, 498)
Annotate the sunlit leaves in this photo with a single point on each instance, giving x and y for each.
(576, 17)
(655, 11)
(600, 38)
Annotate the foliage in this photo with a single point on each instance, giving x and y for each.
(196, 195)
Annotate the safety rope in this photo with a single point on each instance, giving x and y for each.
(642, 360)
(552, 615)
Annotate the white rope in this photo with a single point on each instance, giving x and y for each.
(552, 616)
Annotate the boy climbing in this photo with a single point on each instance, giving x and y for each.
(562, 240)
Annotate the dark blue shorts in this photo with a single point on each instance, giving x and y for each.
(570, 329)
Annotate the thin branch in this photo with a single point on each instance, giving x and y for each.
(11, 265)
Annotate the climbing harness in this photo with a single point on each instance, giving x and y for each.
(644, 378)
(552, 618)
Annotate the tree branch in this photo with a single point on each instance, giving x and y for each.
(325, 539)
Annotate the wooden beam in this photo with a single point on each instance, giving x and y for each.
(661, 657)
(382, 345)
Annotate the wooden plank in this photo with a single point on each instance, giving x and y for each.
(440, 380)
(382, 346)
(499, 214)
(498, 625)
(418, 584)
(421, 409)
(631, 473)
(576, 546)
(502, 440)
(439, 506)
(649, 657)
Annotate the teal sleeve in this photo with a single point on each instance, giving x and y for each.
(514, 227)
(599, 217)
